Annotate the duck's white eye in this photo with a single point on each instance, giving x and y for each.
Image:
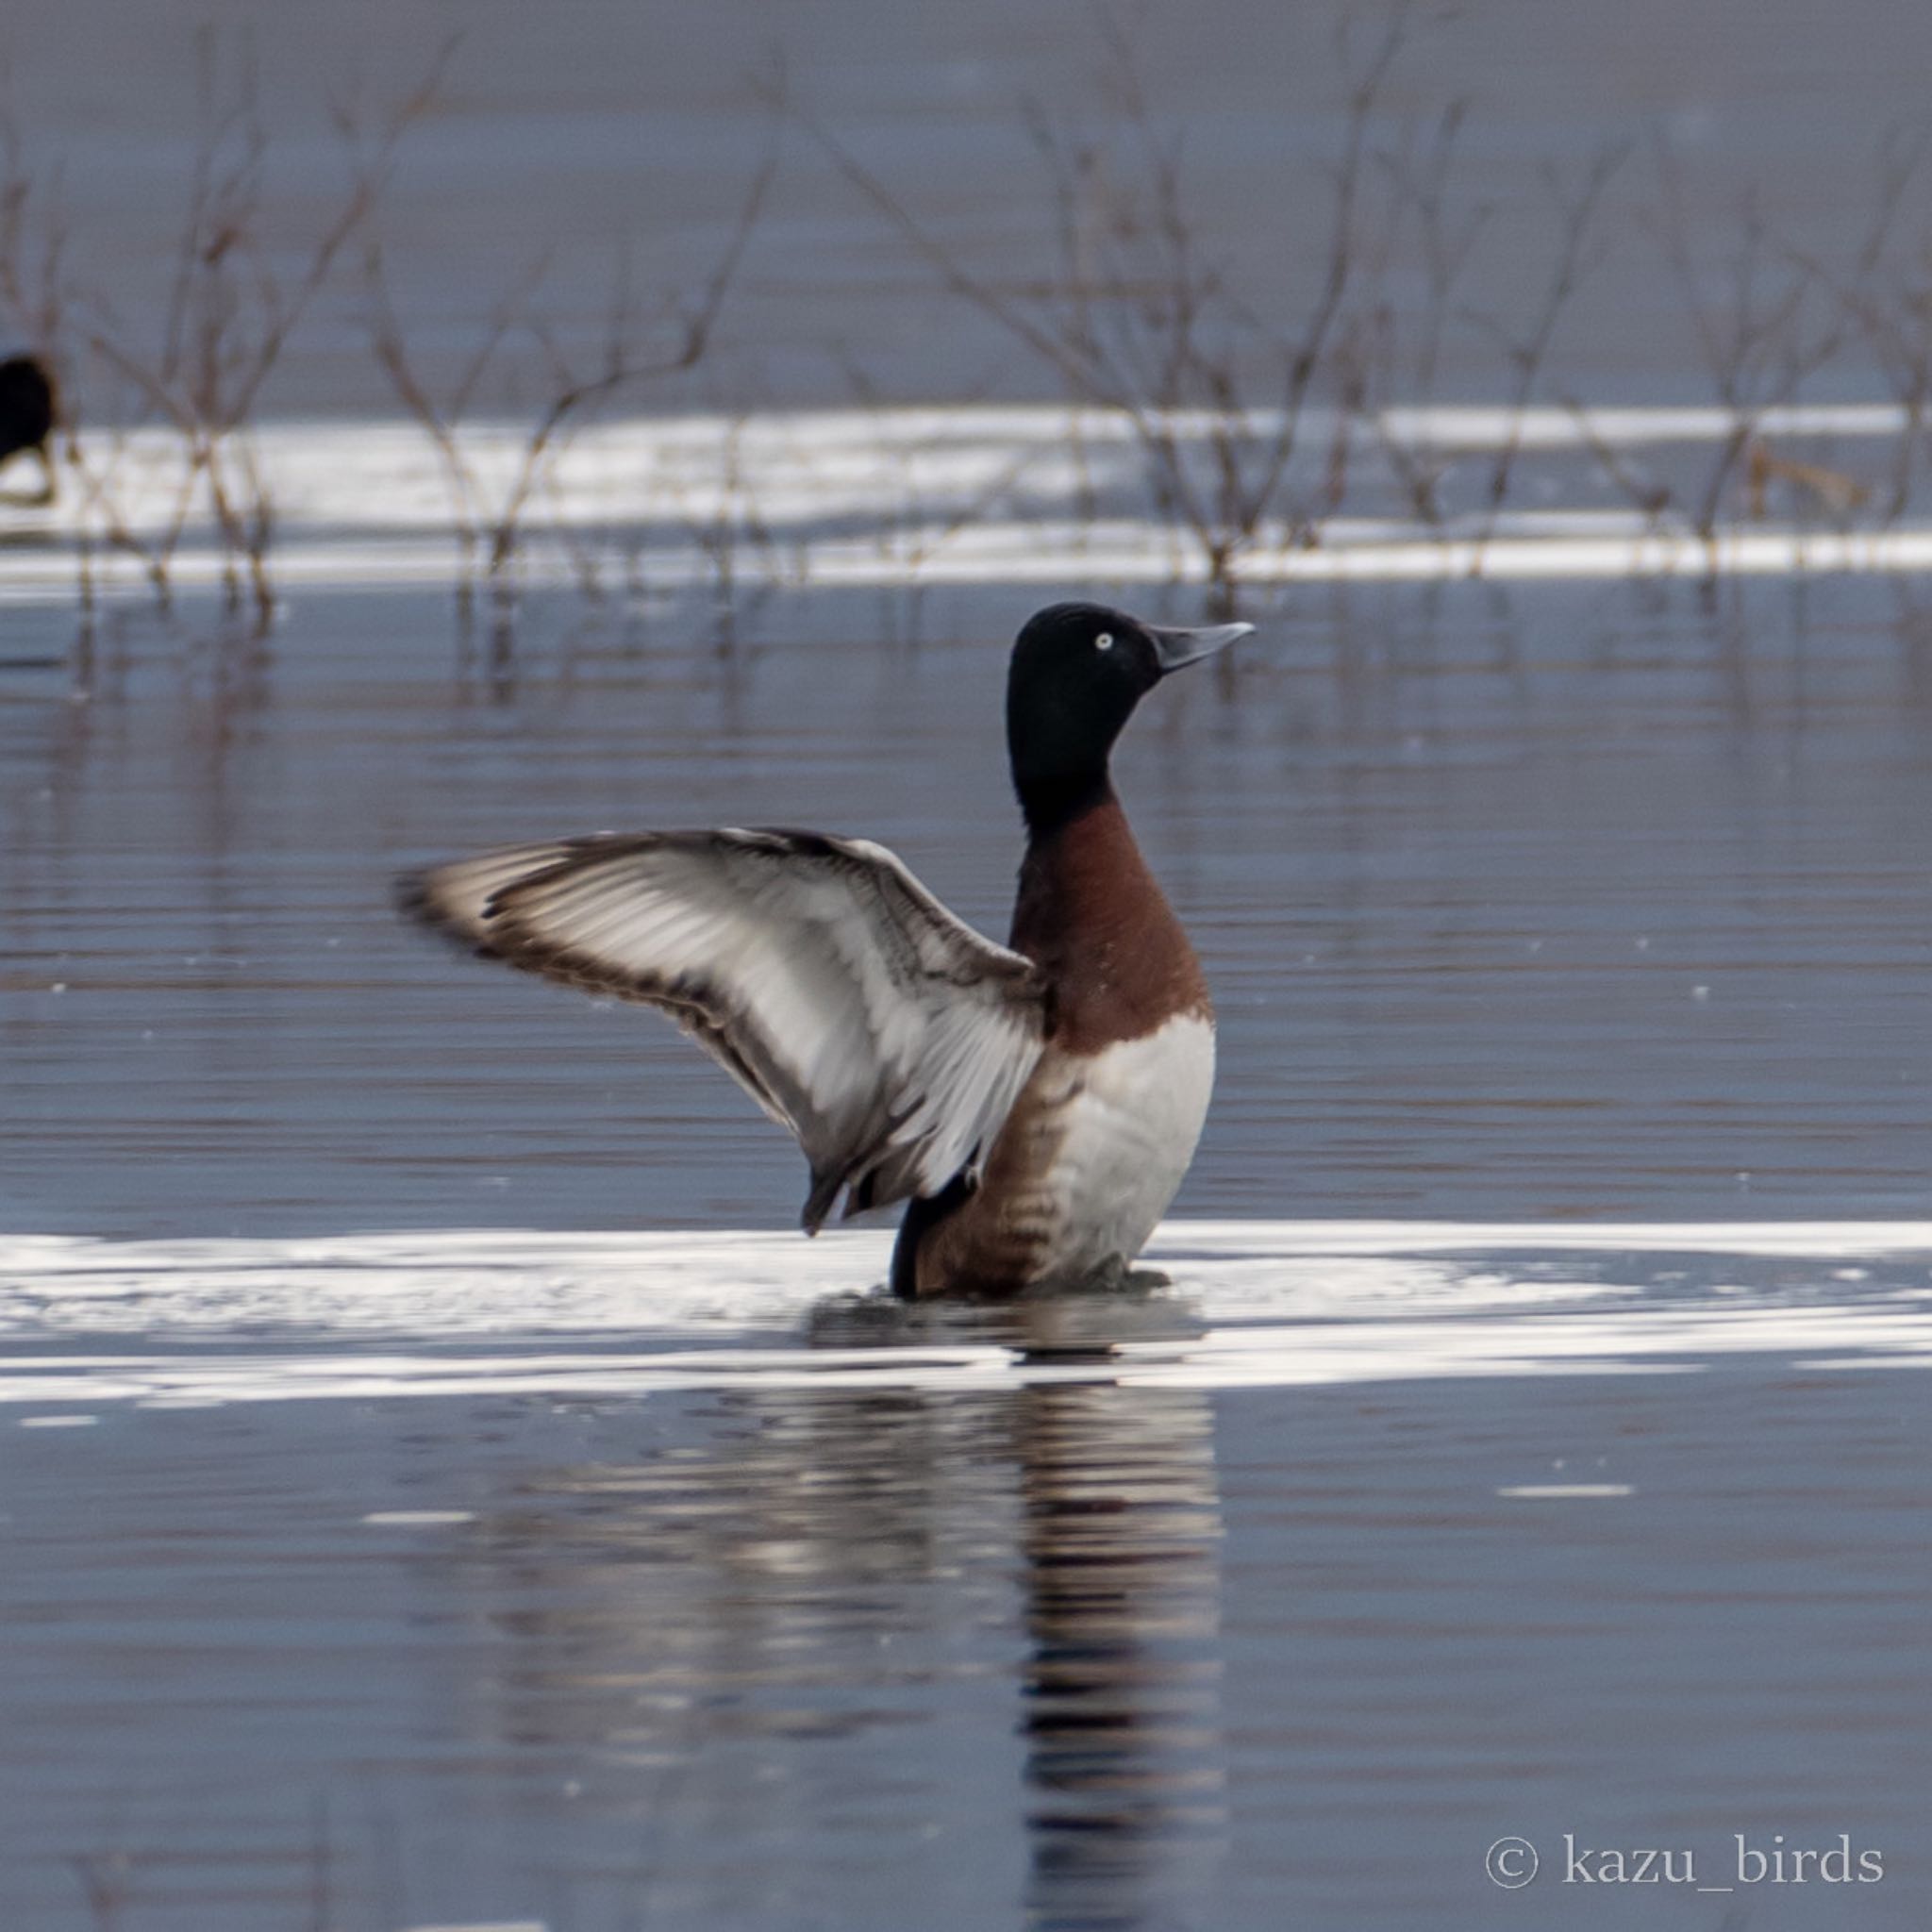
(1104, 641)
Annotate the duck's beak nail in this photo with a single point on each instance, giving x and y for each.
(1176, 648)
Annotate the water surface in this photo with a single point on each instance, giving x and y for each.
(699, 1590)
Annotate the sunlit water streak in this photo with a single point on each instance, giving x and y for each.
(968, 494)
(1251, 1305)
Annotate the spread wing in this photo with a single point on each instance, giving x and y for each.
(888, 1035)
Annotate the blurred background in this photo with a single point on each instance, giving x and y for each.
(569, 140)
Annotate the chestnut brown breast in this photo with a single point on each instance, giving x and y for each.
(1091, 915)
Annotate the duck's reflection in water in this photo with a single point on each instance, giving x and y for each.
(1121, 1711)
(804, 1625)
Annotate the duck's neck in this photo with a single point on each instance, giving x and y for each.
(1083, 879)
(1091, 912)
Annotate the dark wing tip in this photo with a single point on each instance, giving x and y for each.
(422, 897)
(825, 1184)
(416, 896)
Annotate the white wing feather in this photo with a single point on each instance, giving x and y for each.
(889, 1036)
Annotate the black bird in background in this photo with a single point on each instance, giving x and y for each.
(28, 409)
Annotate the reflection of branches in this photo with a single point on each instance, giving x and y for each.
(1421, 184)
(1137, 317)
(1249, 423)
(1889, 309)
(1140, 322)
(442, 421)
(227, 318)
(1575, 209)
(575, 393)
(1219, 397)
(920, 524)
(722, 523)
(1653, 498)
(1755, 341)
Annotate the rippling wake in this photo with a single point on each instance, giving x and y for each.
(1252, 1303)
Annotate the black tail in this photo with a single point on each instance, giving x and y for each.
(923, 1214)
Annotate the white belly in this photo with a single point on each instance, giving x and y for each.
(1126, 1123)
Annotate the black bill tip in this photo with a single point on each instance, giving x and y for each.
(1175, 649)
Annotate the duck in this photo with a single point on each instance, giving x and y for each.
(28, 410)
(1035, 1104)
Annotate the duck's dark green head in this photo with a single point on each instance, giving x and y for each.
(1077, 672)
